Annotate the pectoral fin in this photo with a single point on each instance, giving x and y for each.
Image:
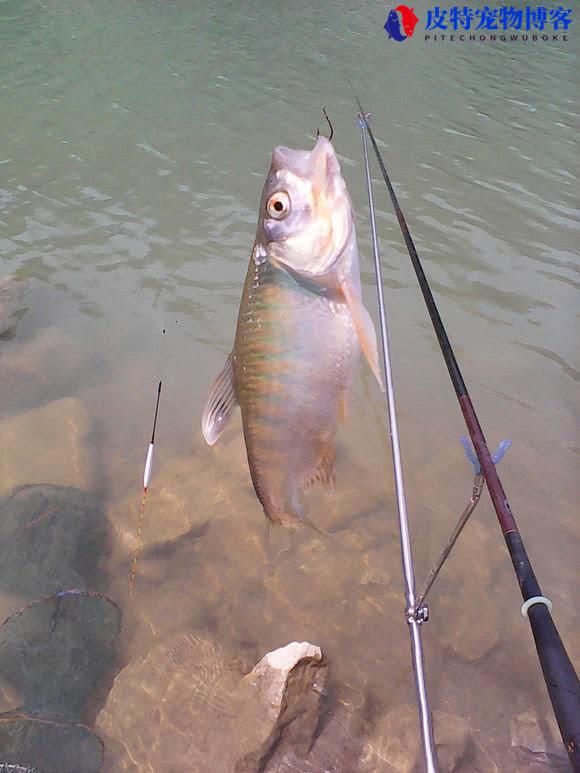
(220, 404)
(365, 329)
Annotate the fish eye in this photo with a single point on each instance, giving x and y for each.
(278, 205)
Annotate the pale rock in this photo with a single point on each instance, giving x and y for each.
(281, 696)
(46, 445)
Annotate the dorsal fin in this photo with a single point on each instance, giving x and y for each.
(220, 403)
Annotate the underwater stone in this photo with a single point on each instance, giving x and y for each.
(51, 538)
(283, 700)
(11, 293)
(394, 742)
(338, 743)
(46, 445)
(59, 654)
(475, 632)
(183, 498)
(51, 747)
(185, 701)
(172, 703)
(40, 370)
(536, 735)
(451, 739)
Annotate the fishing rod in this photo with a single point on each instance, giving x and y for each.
(414, 619)
(559, 674)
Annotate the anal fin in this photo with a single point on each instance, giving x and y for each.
(365, 329)
(324, 471)
(220, 403)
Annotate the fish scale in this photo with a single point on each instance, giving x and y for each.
(293, 356)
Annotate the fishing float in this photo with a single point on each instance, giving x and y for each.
(146, 479)
(559, 673)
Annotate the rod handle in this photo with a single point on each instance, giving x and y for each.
(559, 673)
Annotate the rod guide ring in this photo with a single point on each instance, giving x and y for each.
(536, 600)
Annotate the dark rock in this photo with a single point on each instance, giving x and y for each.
(338, 744)
(59, 654)
(50, 539)
(51, 746)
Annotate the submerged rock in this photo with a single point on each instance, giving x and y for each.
(170, 704)
(51, 538)
(186, 702)
(11, 293)
(48, 747)
(184, 498)
(59, 654)
(40, 370)
(338, 742)
(473, 634)
(282, 701)
(538, 743)
(46, 444)
(394, 742)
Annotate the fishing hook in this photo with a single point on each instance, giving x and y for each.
(330, 125)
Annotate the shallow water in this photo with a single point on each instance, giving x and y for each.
(135, 139)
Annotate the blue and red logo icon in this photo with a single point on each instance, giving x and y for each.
(401, 23)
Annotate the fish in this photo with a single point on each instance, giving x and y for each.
(301, 327)
(393, 26)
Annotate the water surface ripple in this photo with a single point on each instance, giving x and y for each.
(135, 139)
